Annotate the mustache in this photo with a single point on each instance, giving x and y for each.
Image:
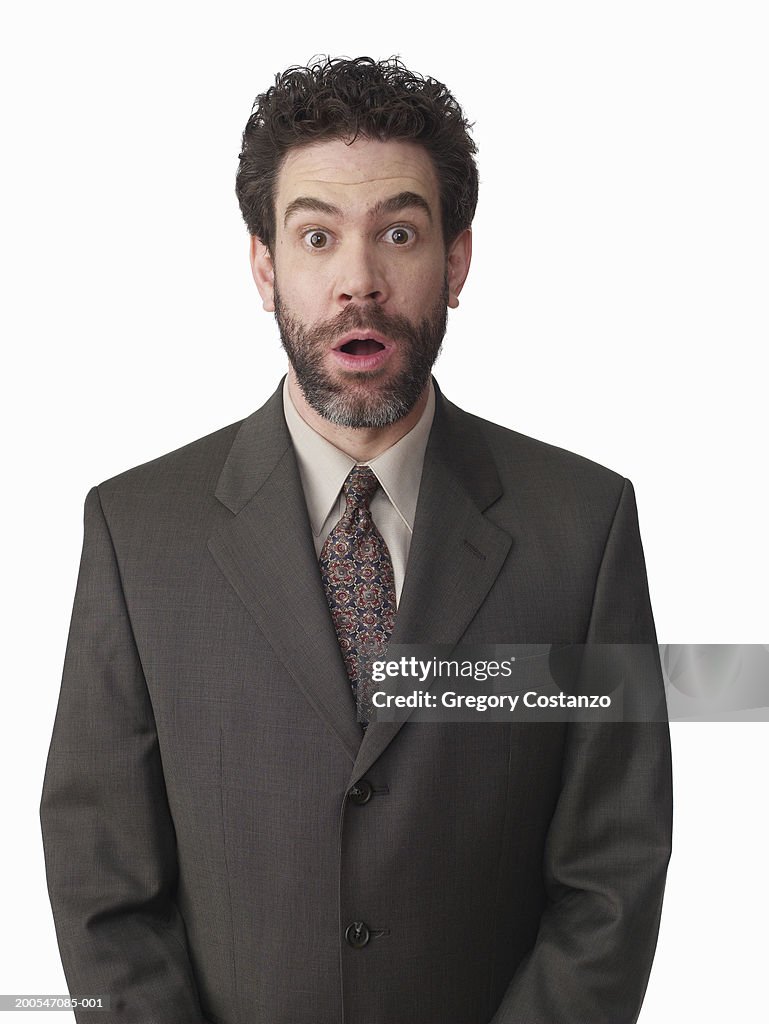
(352, 318)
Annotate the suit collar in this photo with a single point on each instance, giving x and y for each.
(457, 442)
(261, 442)
(263, 439)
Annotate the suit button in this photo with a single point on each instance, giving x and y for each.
(357, 934)
(361, 792)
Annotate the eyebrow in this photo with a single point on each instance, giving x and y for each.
(394, 204)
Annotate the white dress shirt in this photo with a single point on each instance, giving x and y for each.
(324, 468)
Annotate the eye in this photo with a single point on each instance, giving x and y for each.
(400, 235)
(316, 239)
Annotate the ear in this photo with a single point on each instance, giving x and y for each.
(458, 264)
(263, 272)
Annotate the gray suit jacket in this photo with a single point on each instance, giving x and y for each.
(204, 852)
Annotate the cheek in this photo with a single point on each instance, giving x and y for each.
(422, 290)
(303, 295)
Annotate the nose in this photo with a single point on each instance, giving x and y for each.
(360, 276)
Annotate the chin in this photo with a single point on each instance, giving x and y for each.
(345, 410)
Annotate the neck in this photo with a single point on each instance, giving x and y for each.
(360, 443)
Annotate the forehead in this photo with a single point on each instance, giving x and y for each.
(351, 175)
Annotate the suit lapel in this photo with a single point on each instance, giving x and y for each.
(456, 552)
(266, 553)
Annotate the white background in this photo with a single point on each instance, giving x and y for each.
(616, 306)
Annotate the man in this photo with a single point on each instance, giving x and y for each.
(225, 839)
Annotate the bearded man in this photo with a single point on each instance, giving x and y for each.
(228, 837)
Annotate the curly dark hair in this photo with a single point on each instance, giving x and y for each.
(342, 98)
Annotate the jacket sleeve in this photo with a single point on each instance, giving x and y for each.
(609, 841)
(108, 837)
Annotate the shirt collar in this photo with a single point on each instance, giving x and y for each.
(324, 468)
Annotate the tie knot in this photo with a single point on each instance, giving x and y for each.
(359, 487)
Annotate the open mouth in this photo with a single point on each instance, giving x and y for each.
(362, 350)
(361, 347)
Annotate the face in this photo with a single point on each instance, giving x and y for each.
(359, 278)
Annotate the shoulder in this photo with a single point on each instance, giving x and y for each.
(154, 506)
(178, 493)
(194, 467)
(534, 469)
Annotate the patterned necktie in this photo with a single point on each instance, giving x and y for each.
(357, 574)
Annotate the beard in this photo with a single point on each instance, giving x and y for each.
(372, 398)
